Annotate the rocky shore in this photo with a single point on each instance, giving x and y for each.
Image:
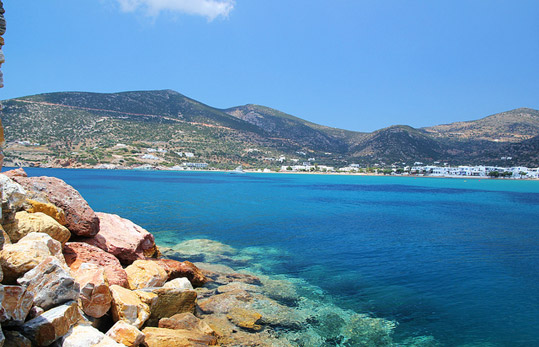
(74, 277)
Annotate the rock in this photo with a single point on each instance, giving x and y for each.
(47, 208)
(179, 283)
(149, 298)
(244, 318)
(95, 294)
(170, 302)
(186, 321)
(26, 223)
(126, 305)
(81, 219)
(77, 253)
(145, 274)
(223, 303)
(126, 334)
(15, 173)
(16, 303)
(19, 258)
(86, 335)
(204, 250)
(50, 283)
(35, 311)
(13, 197)
(187, 269)
(234, 286)
(123, 239)
(52, 324)
(159, 337)
(16, 339)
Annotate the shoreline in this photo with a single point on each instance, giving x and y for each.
(6, 168)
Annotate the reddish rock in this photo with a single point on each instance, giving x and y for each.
(95, 297)
(15, 173)
(187, 269)
(81, 220)
(159, 337)
(186, 321)
(15, 303)
(77, 253)
(123, 238)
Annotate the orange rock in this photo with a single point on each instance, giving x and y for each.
(145, 274)
(159, 337)
(126, 334)
(94, 289)
(187, 269)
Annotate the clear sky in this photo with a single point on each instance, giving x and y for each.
(353, 64)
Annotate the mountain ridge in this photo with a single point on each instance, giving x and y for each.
(64, 123)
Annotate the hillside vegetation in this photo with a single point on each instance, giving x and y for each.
(167, 128)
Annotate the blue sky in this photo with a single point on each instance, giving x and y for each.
(353, 64)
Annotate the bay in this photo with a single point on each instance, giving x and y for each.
(457, 259)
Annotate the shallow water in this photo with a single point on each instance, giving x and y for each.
(455, 259)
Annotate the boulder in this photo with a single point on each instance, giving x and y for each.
(159, 337)
(16, 339)
(244, 318)
(223, 303)
(47, 208)
(95, 294)
(149, 298)
(145, 274)
(52, 324)
(123, 238)
(13, 194)
(21, 257)
(171, 301)
(15, 305)
(26, 223)
(126, 305)
(15, 173)
(80, 218)
(125, 334)
(86, 335)
(77, 253)
(179, 283)
(187, 269)
(186, 321)
(50, 284)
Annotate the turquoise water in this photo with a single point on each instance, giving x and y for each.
(455, 259)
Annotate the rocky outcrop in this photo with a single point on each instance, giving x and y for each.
(127, 306)
(26, 223)
(126, 334)
(52, 324)
(171, 301)
(95, 297)
(159, 337)
(50, 284)
(123, 239)
(78, 253)
(19, 258)
(186, 321)
(81, 220)
(16, 303)
(145, 274)
(186, 269)
(244, 318)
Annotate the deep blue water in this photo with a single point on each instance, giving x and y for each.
(456, 259)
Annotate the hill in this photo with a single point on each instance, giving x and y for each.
(164, 127)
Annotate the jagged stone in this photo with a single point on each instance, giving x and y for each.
(126, 305)
(13, 197)
(15, 305)
(171, 301)
(81, 219)
(186, 269)
(15, 173)
(52, 324)
(159, 337)
(26, 223)
(123, 238)
(179, 283)
(16, 339)
(95, 294)
(186, 321)
(50, 283)
(86, 335)
(77, 253)
(145, 274)
(149, 298)
(244, 318)
(47, 208)
(19, 258)
(126, 334)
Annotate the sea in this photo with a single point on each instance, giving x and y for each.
(454, 260)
